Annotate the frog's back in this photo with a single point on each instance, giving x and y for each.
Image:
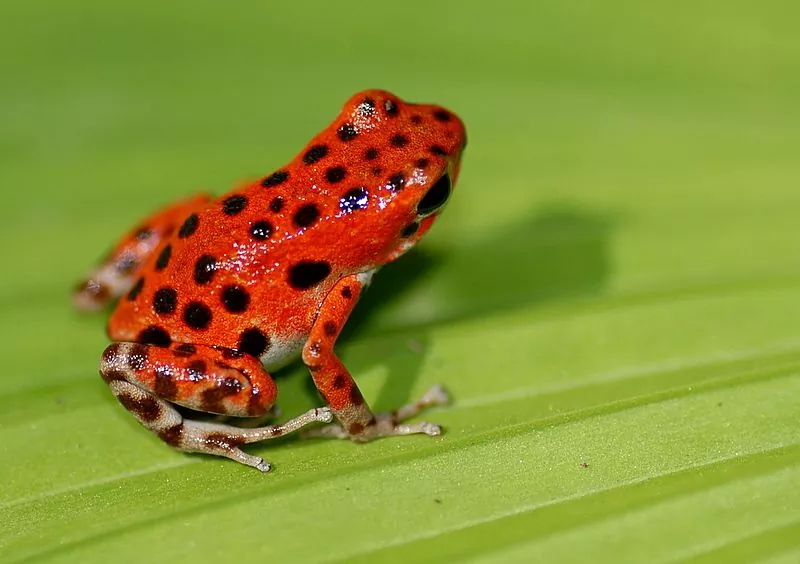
(252, 268)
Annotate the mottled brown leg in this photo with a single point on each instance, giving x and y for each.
(334, 382)
(145, 379)
(118, 271)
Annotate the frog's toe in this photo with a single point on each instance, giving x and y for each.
(324, 415)
(436, 395)
(431, 429)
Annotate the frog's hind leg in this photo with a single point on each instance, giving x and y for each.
(148, 379)
(118, 270)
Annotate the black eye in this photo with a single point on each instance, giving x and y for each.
(436, 196)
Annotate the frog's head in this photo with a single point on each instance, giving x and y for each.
(410, 157)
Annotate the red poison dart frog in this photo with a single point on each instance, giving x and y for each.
(215, 292)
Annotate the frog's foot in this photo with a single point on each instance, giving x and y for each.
(388, 424)
(224, 440)
(147, 380)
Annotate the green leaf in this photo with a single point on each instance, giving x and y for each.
(612, 296)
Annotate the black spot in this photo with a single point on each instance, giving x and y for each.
(235, 299)
(355, 199)
(315, 154)
(409, 230)
(189, 226)
(143, 234)
(111, 353)
(276, 205)
(307, 274)
(126, 263)
(164, 385)
(371, 154)
(233, 205)
(441, 115)
(253, 342)
(347, 293)
(347, 132)
(435, 197)
(306, 215)
(416, 119)
(154, 335)
(261, 230)
(366, 107)
(330, 328)
(173, 435)
(163, 257)
(355, 396)
(137, 357)
(423, 163)
(225, 440)
(197, 315)
(212, 402)
(231, 354)
(136, 289)
(165, 300)
(184, 350)
(145, 407)
(110, 375)
(397, 181)
(339, 381)
(204, 269)
(275, 179)
(336, 174)
(399, 140)
(438, 151)
(391, 108)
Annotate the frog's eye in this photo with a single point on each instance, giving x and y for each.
(435, 197)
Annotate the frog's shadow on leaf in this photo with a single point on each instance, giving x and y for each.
(557, 253)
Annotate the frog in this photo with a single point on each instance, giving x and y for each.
(210, 295)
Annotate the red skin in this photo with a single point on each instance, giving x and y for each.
(396, 152)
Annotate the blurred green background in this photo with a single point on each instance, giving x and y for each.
(612, 295)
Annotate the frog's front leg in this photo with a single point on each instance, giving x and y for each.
(334, 382)
(118, 271)
(147, 378)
